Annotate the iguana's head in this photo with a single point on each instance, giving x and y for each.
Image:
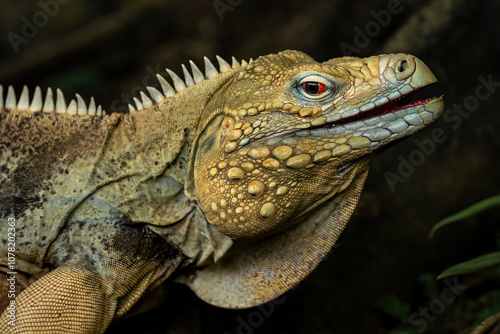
(286, 134)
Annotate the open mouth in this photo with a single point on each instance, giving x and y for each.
(386, 122)
(404, 102)
(387, 108)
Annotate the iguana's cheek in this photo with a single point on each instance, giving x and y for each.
(238, 195)
(255, 192)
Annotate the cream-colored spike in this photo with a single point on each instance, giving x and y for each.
(223, 65)
(48, 106)
(61, 102)
(168, 90)
(146, 101)
(24, 99)
(188, 79)
(100, 112)
(72, 107)
(197, 75)
(244, 62)
(92, 108)
(37, 101)
(250, 61)
(1, 97)
(235, 63)
(138, 104)
(210, 69)
(81, 106)
(155, 94)
(11, 101)
(178, 83)
(131, 108)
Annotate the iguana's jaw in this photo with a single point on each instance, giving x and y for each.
(380, 125)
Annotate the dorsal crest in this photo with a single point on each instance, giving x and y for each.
(152, 96)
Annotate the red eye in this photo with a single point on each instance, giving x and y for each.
(313, 87)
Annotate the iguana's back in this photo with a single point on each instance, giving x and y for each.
(73, 186)
(47, 161)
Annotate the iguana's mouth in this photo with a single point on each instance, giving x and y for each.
(385, 113)
(404, 102)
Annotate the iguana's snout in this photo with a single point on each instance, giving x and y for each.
(294, 131)
(405, 66)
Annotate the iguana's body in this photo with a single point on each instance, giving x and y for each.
(248, 174)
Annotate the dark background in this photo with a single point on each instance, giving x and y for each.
(385, 267)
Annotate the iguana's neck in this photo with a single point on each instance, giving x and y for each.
(158, 134)
(159, 141)
(153, 146)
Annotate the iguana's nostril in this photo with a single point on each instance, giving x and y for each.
(402, 66)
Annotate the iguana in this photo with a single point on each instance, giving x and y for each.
(236, 182)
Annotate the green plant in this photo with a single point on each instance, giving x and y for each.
(482, 262)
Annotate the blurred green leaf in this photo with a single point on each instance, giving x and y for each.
(489, 306)
(392, 306)
(467, 212)
(429, 285)
(472, 266)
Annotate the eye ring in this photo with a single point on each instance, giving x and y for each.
(315, 87)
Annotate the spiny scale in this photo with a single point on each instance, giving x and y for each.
(38, 105)
(36, 102)
(79, 107)
(197, 75)
(190, 79)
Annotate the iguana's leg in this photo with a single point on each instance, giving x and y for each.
(65, 300)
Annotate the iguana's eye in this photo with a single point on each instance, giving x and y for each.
(313, 87)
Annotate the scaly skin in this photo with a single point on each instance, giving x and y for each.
(244, 176)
